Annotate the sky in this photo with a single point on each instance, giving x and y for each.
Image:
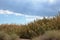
(25, 11)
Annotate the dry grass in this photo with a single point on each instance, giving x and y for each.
(32, 29)
(49, 35)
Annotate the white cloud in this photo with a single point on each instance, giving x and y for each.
(51, 1)
(5, 12)
(17, 14)
(28, 18)
(32, 18)
(43, 1)
(10, 12)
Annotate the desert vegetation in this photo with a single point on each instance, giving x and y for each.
(44, 29)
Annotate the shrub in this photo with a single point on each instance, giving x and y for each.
(25, 33)
(36, 28)
(4, 36)
(49, 35)
(14, 37)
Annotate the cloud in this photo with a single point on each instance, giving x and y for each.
(20, 14)
(18, 17)
(10, 12)
(32, 18)
(27, 17)
(5, 12)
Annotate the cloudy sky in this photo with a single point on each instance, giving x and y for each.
(24, 11)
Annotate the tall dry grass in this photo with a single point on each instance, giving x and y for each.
(32, 29)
